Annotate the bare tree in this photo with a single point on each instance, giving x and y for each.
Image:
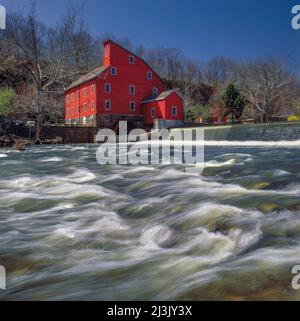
(49, 56)
(266, 84)
(218, 71)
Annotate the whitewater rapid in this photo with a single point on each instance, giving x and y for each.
(72, 229)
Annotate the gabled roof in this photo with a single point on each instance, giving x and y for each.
(135, 55)
(89, 76)
(162, 96)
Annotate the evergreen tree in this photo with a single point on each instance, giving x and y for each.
(234, 102)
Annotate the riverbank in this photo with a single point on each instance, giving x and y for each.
(270, 132)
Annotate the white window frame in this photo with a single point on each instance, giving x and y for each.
(92, 105)
(73, 97)
(84, 92)
(107, 101)
(105, 87)
(92, 89)
(132, 103)
(85, 107)
(154, 91)
(176, 111)
(149, 75)
(130, 92)
(113, 71)
(131, 60)
(153, 113)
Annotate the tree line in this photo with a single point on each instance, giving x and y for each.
(37, 63)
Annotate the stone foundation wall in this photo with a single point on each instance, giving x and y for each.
(70, 135)
(112, 121)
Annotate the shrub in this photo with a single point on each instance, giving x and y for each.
(7, 102)
(293, 118)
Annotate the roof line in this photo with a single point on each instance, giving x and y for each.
(75, 84)
(130, 52)
(158, 98)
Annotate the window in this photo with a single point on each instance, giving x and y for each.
(153, 113)
(73, 97)
(174, 111)
(107, 104)
(84, 92)
(107, 88)
(78, 94)
(92, 105)
(132, 90)
(131, 60)
(155, 92)
(72, 111)
(92, 89)
(132, 105)
(85, 107)
(113, 71)
(149, 75)
(78, 110)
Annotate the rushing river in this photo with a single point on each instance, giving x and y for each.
(71, 229)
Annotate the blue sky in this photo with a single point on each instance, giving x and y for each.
(202, 29)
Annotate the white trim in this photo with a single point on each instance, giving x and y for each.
(176, 111)
(153, 112)
(115, 71)
(149, 75)
(131, 60)
(84, 92)
(130, 106)
(92, 89)
(92, 105)
(109, 102)
(154, 91)
(130, 92)
(109, 85)
(106, 49)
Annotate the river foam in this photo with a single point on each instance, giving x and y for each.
(150, 232)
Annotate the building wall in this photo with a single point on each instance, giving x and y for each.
(163, 109)
(174, 100)
(159, 107)
(79, 106)
(70, 135)
(127, 74)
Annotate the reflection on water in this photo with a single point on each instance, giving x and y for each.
(71, 229)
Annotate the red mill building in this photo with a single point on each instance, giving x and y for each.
(124, 88)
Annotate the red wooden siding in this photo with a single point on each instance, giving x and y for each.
(127, 74)
(163, 109)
